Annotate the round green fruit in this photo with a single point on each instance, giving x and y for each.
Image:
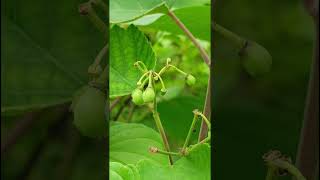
(255, 59)
(148, 95)
(190, 80)
(137, 96)
(89, 113)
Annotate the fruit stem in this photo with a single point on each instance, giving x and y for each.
(282, 164)
(93, 67)
(145, 74)
(162, 83)
(157, 120)
(87, 10)
(195, 118)
(156, 150)
(143, 65)
(204, 118)
(177, 69)
(270, 173)
(236, 39)
(202, 51)
(102, 5)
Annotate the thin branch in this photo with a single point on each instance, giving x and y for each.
(114, 103)
(22, 126)
(126, 102)
(86, 9)
(70, 150)
(203, 53)
(308, 150)
(51, 132)
(207, 112)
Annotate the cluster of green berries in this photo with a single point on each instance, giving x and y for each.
(142, 95)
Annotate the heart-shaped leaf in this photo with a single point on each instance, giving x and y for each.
(130, 143)
(126, 47)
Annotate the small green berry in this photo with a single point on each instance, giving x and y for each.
(137, 96)
(148, 95)
(255, 59)
(89, 113)
(190, 80)
(163, 91)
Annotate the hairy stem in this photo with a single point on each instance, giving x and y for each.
(203, 53)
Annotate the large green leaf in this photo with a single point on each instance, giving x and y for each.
(129, 143)
(196, 19)
(122, 11)
(126, 47)
(194, 166)
(119, 171)
(128, 10)
(44, 57)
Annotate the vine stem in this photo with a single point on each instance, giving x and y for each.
(203, 53)
(308, 151)
(205, 56)
(206, 112)
(157, 120)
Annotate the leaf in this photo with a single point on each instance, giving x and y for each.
(194, 166)
(126, 47)
(123, 172)
(122, 11)
(196, 19)
(127, 10)
(44, 57)
(129, 143)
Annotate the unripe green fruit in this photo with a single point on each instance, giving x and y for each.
(255, 59)
(190, 80)
(137, 97)
(89, 113)
(148, 95)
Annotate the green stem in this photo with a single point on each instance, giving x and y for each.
(102, 5)
(103, 78)
(156, 150)
(161, 81)
(177, 69)
(287, 166)
(160, 128)
(237, 40)
(88, 10)
(271, 173)
(186, 142)
(202, 51)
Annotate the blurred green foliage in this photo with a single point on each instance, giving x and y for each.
(252, 116)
